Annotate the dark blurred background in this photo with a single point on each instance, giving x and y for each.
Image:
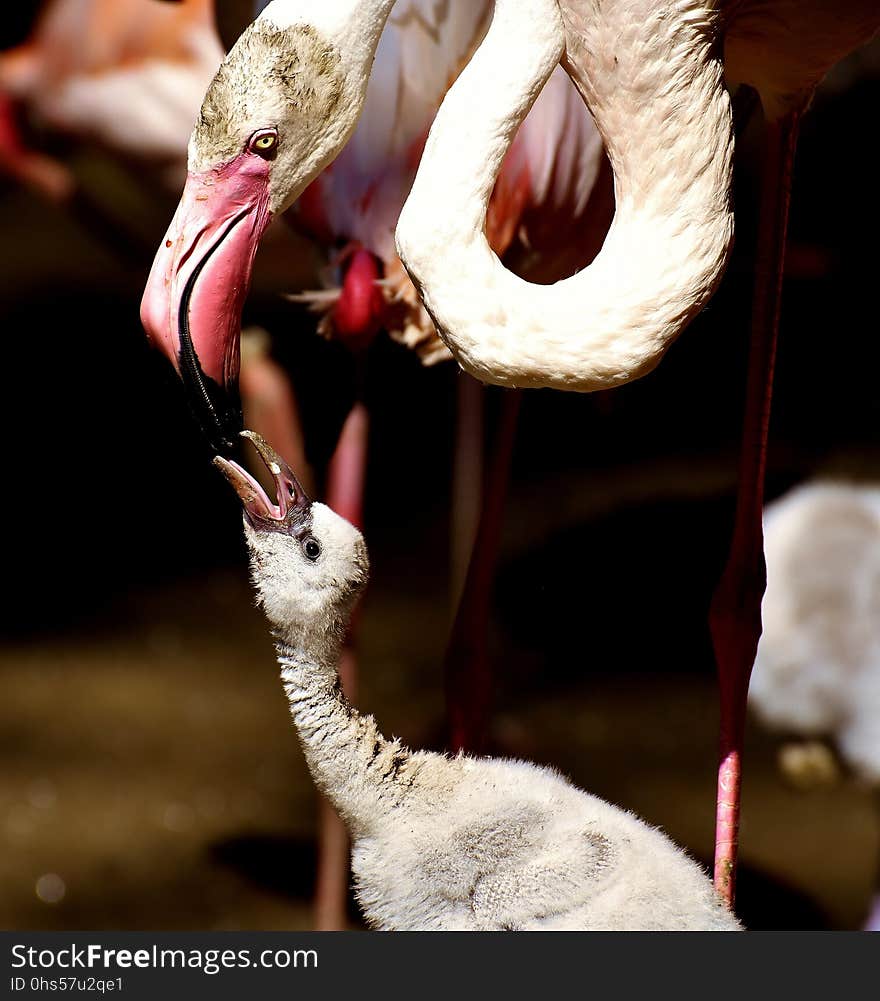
(148, 774)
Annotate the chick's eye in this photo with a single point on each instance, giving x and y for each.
(263, 142)
(311, 547)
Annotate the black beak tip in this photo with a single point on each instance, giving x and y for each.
(221, 431)
(227, 440)
(219, 418)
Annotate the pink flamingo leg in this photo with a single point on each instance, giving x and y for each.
(467, 481)
(468, 674)
(735, 615)
(346, 476)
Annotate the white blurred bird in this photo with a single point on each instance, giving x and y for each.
(129, 74)
(817, 671)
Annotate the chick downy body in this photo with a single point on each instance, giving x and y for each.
(439, 842)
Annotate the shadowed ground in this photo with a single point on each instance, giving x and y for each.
(150, 765)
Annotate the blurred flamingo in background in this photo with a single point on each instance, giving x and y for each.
(817, 669)
(128, 74)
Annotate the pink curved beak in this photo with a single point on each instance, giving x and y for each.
(191, 309)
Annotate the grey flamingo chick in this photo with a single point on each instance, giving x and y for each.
(455, 843)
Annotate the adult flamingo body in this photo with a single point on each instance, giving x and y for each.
(653, 80)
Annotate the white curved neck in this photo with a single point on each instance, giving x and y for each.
(358, 769)
(649, 75)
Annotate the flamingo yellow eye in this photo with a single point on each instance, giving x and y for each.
(264, 142)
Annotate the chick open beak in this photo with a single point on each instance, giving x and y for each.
(291, 505)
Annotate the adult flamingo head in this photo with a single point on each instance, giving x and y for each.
(281, 106)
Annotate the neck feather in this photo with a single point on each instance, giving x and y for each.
(361, 772)
(648, 72)
(353, 26)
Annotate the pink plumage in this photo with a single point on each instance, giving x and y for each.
(128, 73)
